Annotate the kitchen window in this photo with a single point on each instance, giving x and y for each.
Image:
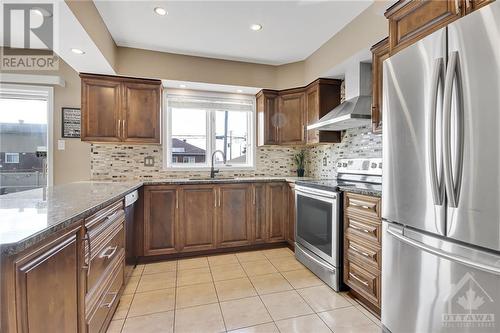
(197, 124)
(12, 158)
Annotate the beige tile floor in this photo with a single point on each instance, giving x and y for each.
(252, 292)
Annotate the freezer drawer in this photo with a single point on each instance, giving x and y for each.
(432, 285)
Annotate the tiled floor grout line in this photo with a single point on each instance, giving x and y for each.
(258, 295)
(130, 305)
(175, 293)
(217, 295)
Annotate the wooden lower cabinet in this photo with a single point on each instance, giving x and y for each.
(290, 232)
(161, 220)
(197, 206)
(234, 215)
(363, 248)
(47, 287)
(277, 209)
(259, 217)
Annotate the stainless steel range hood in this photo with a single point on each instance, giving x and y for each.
(356, 110)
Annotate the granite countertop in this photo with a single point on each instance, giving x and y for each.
(365, 189)
(28, 217)
(343, 186)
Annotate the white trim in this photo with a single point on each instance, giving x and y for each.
(49, 94)
(52, 80)
(167, 163)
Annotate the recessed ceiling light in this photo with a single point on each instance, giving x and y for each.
(239, 91)
(182, 86)
(160, 11)
(256, 27)
(78, 51)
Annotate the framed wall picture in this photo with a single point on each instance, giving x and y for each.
(71, 120)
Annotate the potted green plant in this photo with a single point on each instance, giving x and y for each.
(300, 159)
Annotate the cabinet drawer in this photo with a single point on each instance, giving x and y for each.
(101, 220)
(365, 228)
(362, 281)
(363, 253)
(107, 302)
(357, 204)
(104, 254)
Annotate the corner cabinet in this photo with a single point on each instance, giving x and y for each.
(380, 52)
(283, 116)
(118, 109)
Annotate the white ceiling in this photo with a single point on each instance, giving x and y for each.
(292, 30)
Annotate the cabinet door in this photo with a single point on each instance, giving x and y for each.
(47, 287)
(197, 218)
(380, 52)
(290, 232)
(291, 126)
(312, 107)
(410, 21)
(259, 213)
(277, 202)
(101, 104)
(472, 5)
(141, 112)
(161, 205)
(234, 215)
(267, 117)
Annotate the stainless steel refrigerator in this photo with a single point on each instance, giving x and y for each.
(441, 180)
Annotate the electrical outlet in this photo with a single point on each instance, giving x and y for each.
(325, 161)
(149, 161)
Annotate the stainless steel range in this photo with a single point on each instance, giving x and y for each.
(318, 239)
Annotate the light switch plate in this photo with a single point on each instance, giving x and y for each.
(61, 144)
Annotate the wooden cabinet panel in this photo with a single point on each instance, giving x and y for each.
(197, 217)
(472, 5)
(368, 229)
(380, 52)
(363, 282)
(141, 112)
(47, 287)
(276, 211)
(101, 105)
(365, 253)
(267, 117)
(322, 96)
(362, 204)
(410, 21)
(291, 128)
(234, 215)
(290, 232)
(259, 216)
(119, 109)
(161, 226)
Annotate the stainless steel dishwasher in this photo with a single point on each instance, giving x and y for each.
(130, 255)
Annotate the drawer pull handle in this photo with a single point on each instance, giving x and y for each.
(112, 216)
(88, 261)
(108, 252)
(110, 303)
(358, 279)
(358, 205)
(355, 249)
(359, 229)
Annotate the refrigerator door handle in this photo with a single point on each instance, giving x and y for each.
(492, 265)
(436, 85)
(453, 179)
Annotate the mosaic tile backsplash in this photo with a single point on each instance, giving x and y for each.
(127, 161)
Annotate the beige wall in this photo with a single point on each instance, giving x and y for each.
(73, 163)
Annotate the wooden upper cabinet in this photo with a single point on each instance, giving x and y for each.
(380, 52)
(161, 222)
(198, 205)
(118, 109)
(472, 5)
(141, 112)
(291, 125)
(322, 96)
(277, 203)
(101, 109)
(47, 286)
(267, 113)
(410, 20)
(234, 215)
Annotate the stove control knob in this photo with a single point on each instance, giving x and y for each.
(374, 165)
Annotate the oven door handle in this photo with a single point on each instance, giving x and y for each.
(315, 195)
(317, 261)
